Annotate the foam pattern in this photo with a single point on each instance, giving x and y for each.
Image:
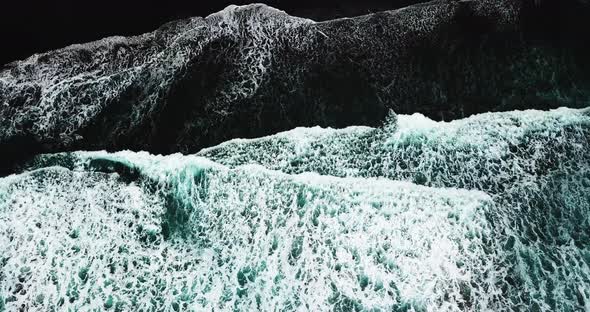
(82, 82)
(199, 236)
(72, 240)
(534, 164)
(488, 213)
(250, 71)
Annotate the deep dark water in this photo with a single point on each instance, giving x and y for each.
(426, 165)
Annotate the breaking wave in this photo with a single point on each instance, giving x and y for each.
(485, 213)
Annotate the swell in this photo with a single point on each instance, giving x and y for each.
(253, 70)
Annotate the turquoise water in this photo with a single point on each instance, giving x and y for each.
(488, 213)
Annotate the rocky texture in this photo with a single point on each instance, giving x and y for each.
(253, 70)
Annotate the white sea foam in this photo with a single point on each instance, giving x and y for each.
(247, 238)
(313, 219)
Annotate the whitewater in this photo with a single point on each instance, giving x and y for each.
(485, 213)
